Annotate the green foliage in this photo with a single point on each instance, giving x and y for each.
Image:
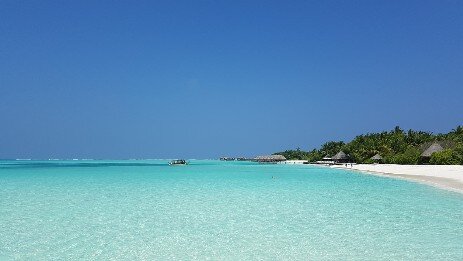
(445, 157)
(314, 155)
(332, 147)
(369, 161)
(410, 156)
(298, 154)
(387, 144)
(458, 150)
(396, 146)
(456, 135)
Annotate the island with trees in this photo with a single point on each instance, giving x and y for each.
(395, 147)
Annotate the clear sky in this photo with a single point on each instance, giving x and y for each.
(201, 79)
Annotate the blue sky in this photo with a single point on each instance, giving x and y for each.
(201, 79)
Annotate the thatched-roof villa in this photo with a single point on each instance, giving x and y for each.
(341, 157)
(270, 158)
(435, 147)
(377, 158)
(327, 160)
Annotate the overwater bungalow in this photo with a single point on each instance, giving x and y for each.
(234, 159)
(227, 158)
(270, 159)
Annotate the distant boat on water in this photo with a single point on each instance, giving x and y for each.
(178, 162)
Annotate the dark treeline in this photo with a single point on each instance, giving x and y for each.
(396, 147)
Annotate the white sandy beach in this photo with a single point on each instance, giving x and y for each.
(443, 176)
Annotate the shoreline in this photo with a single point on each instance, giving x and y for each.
(448, 177)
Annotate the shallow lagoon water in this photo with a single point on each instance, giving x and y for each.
(220, 210)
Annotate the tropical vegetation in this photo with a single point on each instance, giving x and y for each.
(396, 147)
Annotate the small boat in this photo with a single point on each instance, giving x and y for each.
(178, 162)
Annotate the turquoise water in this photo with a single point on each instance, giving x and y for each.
(59, 210)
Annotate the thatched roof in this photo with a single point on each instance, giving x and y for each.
(340, 156)
(435, 147)
(270, 158)
(377, 157)
(445, 144)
